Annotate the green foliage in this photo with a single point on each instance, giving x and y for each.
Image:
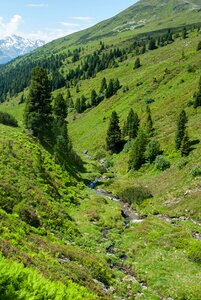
(194, 252)
(197, 101)
(196, 171)
(135, 194)
(38, 111)
(18, 282)
(131, 125)
(162, 163)
(149, 122)
(185, 145)
(137, 63)
(60, 107)
(137, 151)
(199, 46)
(152, 151)
(181, 127)
(113, 138)
(7, 119)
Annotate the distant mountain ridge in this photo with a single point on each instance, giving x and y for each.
(13, 46)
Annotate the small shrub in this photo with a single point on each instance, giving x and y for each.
(135, 194)
(196, 172)
(152, 150)
(149, 100)
(162, 163)
(7, 119)
(195, 252)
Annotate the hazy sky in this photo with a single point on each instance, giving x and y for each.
(51, 19)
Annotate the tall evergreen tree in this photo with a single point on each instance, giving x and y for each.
(103, 85)
(110, 89)
(60, 107)
(137, 63)
(197, 101)
(185, 145)
(181, 127)
(113, 137)
(137, 152)
(149, 122)
(132, 125)
(38, 110)
(93, 97)
(116, 85)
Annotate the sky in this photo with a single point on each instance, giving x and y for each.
(51, 19)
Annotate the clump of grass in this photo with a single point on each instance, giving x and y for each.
(135, 194)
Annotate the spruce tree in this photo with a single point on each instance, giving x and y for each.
(149, 122)
(110, 89)
(93, 97)
(185, 145)
(116, 85)
(137, 152)
(132, 125)
(60, 107)
(181, 127)
(38, 110)
(137, 63)
(103, 85)
(113, 137)
(197, 101)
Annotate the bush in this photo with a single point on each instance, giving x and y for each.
(196, 172)
(195, 253)
(7, 119)
(135, 194)
(149, 101)
(162, 163)
(152, 150)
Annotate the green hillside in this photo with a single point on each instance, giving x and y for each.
(136, 233)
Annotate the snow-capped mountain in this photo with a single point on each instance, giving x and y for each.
(13, 46)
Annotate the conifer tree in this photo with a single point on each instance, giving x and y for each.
(181, 127)
(137, 63)
(110, 89)
(185, 145)
(93, 97)
(132, 125)
(149, 122)
(197, 101)
(60, 107)
(103, 85)
(38, 110)
(116, 85)
(78, 105)
(113, 137)
(137, 152)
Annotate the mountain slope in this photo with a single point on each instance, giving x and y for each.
(52, 221)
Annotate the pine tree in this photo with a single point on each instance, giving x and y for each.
(184, 33)
(93, 97)
(116, 85)
(137, 63)
(113, 137)
(181, 127)
(38, 110)
(110, 89)
(185, 145)
(149, 122)
(137, 152)
(197, 101)
(60, 107)
(78, 105)
(103, 85)
(152, 44)
(132, 125)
